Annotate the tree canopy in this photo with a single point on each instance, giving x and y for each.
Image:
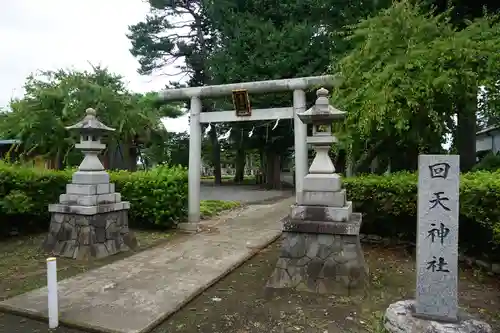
(411, 72)
(55, 99)
(408, 75)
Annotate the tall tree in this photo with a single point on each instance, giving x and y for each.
(262, 39)
(460, 12)
(177, 34)
(167, 148)
(407, 77)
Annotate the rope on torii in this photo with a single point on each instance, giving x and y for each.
(226, 135)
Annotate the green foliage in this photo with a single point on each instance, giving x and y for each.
(16, 202)
(36, 188)
(167, 148)
(389, 207)
(264, 40)
(55, 99)
(490, 162)
(158, 197)
(211, 207)
(408, 75)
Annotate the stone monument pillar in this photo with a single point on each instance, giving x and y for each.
(90, 219)
(435, 308)
(321, 250)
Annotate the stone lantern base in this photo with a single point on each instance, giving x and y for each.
(80, 230)
(321, 257)
(321, 250)
(399, 318)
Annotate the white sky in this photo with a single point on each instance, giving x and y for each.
(52, 34)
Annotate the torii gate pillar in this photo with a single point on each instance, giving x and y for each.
(298, 86)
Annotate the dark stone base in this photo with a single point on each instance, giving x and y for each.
(320, 263)
(352, 227)
(89, 236)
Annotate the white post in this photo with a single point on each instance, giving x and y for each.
(194, 176)
(52, 293)
(300, 140)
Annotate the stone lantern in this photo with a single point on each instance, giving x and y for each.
(90, 219)
(91, 131)
(321, 116)
(321, 249)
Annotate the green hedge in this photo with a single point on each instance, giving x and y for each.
(389, 207)
(158, 197)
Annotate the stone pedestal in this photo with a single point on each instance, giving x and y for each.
(321, 257)
(399, 318)
(89, 236)
(90, 221)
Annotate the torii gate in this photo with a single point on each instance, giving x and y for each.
(298, 86)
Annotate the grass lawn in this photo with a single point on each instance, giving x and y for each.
(209, 208)
(23, 266)
(239, 304)
(228, 180)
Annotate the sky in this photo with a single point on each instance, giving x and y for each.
(52, 34)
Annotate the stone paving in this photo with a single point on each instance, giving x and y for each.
(242, 193)
(135, 294)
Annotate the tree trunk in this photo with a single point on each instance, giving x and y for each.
(277, 172)
(382, 165)
(132, 162)
(364, 162)
(340, 161)
(269, 174)
(240, 160)
(119, 156)
(273, 170)
(262, 161)
(58, 165)
(466, 132)
(215, 156)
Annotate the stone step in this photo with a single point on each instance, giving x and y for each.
(90, 177)
(89, 210)
(89, 200)
(90, 189)
(317, 198)
(326, 214)
(322, 182)
(350, 227)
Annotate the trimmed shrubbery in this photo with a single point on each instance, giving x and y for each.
(158, 197)
(159, 200)
(389, 207)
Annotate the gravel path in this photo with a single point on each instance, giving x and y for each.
(242, 193)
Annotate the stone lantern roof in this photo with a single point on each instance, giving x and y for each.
(90, 123)
(321, 112)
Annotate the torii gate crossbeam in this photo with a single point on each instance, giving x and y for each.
(194, 94)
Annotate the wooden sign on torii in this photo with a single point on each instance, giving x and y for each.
(241, 102)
